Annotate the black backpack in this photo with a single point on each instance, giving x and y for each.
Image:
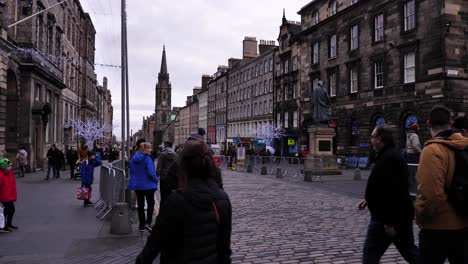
(458, 190)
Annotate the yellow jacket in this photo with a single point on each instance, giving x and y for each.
(435, 174)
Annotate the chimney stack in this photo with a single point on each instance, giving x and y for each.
(250, 47)
(266, 45)
(205, 79)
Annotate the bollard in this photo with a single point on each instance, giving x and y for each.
(120, 222)
(357, 174)
(264, 170)
(279, 173)
(249, 168)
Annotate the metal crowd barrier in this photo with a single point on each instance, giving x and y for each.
(412, 170)
(111, 188)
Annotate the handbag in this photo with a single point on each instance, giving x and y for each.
(83, 193)
(2, 217)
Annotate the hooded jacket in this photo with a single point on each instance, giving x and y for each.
(193, 227)
(7, 187)
(435, 174)
(22, 157)
(142, 173)
(87, 170)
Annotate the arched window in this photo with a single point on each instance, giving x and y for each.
(379, 121)
(409, 120)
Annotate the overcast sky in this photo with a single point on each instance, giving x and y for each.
(199, 35)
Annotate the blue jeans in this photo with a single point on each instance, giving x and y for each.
(377, 242)
(439, 245)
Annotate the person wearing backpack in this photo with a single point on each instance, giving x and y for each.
(194, 224)
(443, 224)
(413, 145)
(166, 161)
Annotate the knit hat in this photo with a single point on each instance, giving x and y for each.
(414, 126)
(4, 163)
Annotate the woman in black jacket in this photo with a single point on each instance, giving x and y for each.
(194, 224)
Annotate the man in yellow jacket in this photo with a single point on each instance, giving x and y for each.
(443, 230)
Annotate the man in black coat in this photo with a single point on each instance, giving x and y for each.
(389, 202)
(72, 158)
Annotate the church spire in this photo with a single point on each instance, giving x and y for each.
(284, 16)
(163, 61)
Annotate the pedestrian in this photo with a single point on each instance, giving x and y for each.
(54, 158)
(167, 161)
(413, 145)
(389, 202)
(144, 181)
(22, 161)
(72, 158)
(83, 152)
(87, 174)
(8, 193)
(443, 229)
(461, 124)
(194, 224)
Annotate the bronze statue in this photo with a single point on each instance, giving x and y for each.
(321, 110)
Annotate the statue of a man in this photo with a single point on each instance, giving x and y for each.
(321, 111)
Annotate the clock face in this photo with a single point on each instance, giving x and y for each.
(164, 103)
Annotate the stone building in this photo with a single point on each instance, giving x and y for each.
(384, 62)
(203, 109)
(217, 90)
(288, 110)
(162, 105)
(250, 93)
(50, 75)
(192, 103)
(183, 125)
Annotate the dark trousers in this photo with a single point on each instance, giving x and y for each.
(72, 169)
(8, 212)
(55, 169)
(438, 245)
(377, 242)
(22, 170)
(149, 195)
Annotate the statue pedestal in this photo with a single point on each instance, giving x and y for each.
(321, 160)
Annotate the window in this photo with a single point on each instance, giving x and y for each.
(409, 63)
(50, 35)
(278, 94)
(378, 27)
(271, 64)
(278, 118)
(286, 92)
(353, 79)
(286, 67)
(378, 74)
(37, 92)
(278, 69)
(294, 63)
(332, 43)
(332, 81)
(354, 1)
(354, 37)
(286, 120)
(294, 90)
(410, 15)
(271, 106)
(270, 84)
(39, 30)
(58, 44)
(266, 67)
(260, 69)
(295, 119)
(333, 7)
(265, 86)
(284, 43)
(316, 16)
(315, 54)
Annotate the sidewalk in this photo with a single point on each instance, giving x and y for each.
(53, 224)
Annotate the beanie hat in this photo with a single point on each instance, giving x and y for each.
(4, 163)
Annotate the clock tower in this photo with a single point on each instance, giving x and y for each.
(163, 103)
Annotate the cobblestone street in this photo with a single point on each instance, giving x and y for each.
(274, 221)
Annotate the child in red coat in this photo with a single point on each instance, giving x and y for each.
(7, 193)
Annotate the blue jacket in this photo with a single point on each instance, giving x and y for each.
(87, 170)
(142, 173)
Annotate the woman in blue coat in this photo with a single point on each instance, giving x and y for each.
(144, 182)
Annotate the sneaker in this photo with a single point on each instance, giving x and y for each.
(12, 227)
(148, 228)
(5, 230)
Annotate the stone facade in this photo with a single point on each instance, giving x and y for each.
(287, 86)
(52, 70)
(217, 95)
(384, 64)
(250, 93)
(203, 109)
(163, 105)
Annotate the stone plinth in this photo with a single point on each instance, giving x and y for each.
(320, 160)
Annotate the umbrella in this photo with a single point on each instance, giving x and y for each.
(271, 149)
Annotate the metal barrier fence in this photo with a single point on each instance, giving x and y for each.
(412, 170)
(111, 188)
(290, 167)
